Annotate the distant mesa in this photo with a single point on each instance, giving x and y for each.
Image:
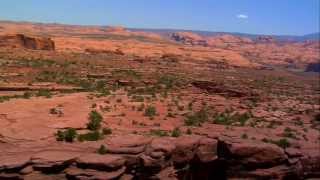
(265, 39)
(23, 41)
(188, 38)
(116, 29)
(228, 39)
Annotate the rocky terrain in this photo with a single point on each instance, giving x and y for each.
(86, 102)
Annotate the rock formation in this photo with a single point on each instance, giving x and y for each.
(189, 38)
(23, 41)
(186, 157)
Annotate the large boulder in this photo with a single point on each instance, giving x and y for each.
(52, 161)
(207, 150)
(129, 144)
(101, 162)
(186, 148)
(23, 41)
(76, 173)
(17, 161)
(252, 154)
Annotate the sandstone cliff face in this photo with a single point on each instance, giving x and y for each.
(22, 41)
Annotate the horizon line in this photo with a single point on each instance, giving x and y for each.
(168, 29)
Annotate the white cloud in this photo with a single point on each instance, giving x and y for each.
(242, 16)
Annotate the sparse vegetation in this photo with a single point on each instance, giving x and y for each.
(283, 142)
(90, 136)
(227, 118)
(68, 136)
(160, 133)
(102, 150)
(150, 111)
(95, 120)
(197, 118)
(176, 132)
(145, 94)
(289, 133)
(126, 73)
(44, 92)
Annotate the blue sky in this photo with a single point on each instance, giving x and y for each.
(293, 17)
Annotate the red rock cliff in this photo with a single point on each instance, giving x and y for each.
(22, 41)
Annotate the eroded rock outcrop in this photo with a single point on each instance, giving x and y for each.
(185, 157)
(213, 87)
(188, 38)
(23, 41)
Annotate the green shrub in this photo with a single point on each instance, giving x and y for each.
(44, 92)
(176, 132)
(60, 135)
(160, 133)
(102, 150)
(4, 98)
(69, 135)
(95, 120)
(150, 111)
(90, 136)
(242, 118)
(197, 118)
(226, 118)
(223, 119)
(169, 81)
(288, 132)
(284, 143)
(149, 90)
